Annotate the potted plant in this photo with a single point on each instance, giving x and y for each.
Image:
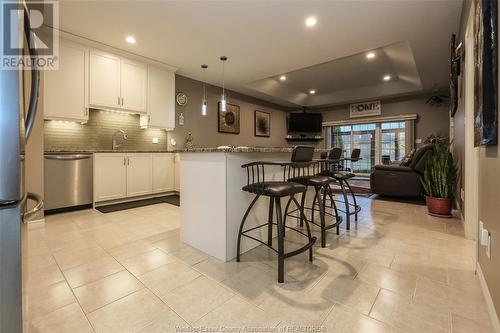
(439, 182)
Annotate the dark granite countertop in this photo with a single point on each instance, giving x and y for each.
(246, 150)
(79, 151)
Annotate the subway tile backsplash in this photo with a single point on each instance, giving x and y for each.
(97, 133)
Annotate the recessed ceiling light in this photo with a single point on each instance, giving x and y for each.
(311, 21)
(130, 39)
(370, 55)
(387, 77)
(282, 78)
(312, 92)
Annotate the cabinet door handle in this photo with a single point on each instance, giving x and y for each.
(122, 101)
(124, 161)
(128, 160)
(118, 100)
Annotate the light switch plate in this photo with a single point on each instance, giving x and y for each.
(488, 248)
(418, 141)
(156, 140)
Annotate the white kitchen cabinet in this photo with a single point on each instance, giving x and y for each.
(110, 176)
(105, 85)
(163, 172)
(117, 83)
(65, 89)
(134, 83)
(139, 174)
(161, 99)
(177, 172)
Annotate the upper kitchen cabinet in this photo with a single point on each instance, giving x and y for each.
(65, 89)
(134, 83)
(104, 80)
(161, 99)
(117, 83)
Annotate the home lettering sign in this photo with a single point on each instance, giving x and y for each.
(366, 109)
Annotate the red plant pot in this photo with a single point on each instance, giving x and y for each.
(439, 206)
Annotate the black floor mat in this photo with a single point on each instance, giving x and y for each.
(171, 199)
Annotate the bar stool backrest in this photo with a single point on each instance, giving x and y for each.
(302, 154)
(355, 155)
(335, 154)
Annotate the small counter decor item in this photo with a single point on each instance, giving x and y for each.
(439, 182)
(229, 120)
(262, 125)
(189, 141)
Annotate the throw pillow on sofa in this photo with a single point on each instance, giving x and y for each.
(408, 157)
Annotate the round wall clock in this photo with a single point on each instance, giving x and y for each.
(181, 98)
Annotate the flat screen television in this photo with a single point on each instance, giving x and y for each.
(305, 122)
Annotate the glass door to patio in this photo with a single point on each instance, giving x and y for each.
(377, 141)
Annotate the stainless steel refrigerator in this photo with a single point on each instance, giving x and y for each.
(18, 105)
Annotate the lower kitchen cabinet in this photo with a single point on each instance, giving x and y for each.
(163, 172)
(127, 175)
(110, 176)
(139, 174)
(177, 173)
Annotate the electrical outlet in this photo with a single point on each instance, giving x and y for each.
(418, 141)
(156, 140)
(462, 194)
(481, 227)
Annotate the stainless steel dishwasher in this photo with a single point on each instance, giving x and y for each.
(68, 181)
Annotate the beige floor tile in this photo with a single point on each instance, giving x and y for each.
(168, 277)
(463, 325)
(92, 271)
(146, 262)
(405, 263)
(189, 255)
(46, 300)
(399, 311)
(469, 304)
(346, 320)
(69, 318)
(237, 312)
(383, 277)
(131, 249)
(168, 322)
(37, 261)
(129, 314)
(295, 307)
(344, 290)
(41, 278)
(219, 270)
(196, 298)
(69, 259)
(106, 290)
(168, 244)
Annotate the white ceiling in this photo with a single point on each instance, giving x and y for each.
(263, 39)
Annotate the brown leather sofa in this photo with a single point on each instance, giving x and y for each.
(395, 180)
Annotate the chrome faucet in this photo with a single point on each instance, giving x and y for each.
(124, 137)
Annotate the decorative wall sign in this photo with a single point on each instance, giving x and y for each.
(229, 121)
(366, 109)
(262, 126)
(486, 73)
(181, 98)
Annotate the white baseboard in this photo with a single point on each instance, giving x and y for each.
(489, 302)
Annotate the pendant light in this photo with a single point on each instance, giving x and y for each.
(223, 104)
(204, 110)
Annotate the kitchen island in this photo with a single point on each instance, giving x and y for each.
(212, 202)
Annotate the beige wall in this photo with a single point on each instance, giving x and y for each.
(431, 119)
(489, 190)
(204, 128)
(489, 213)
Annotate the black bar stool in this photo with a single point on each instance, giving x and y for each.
(275, 190)
(342, 179)
(320, 182)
